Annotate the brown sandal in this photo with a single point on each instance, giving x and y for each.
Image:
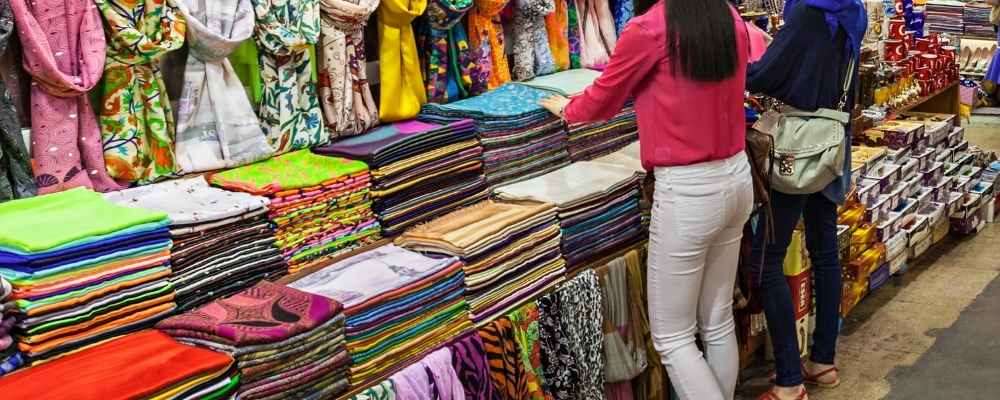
(770, 395)
(814, 379)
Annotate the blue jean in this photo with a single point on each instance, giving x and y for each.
(820, 217)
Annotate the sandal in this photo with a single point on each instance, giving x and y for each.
(770, 395)
(814, 379)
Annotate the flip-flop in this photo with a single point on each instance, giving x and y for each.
(814, 379)
(770, 395)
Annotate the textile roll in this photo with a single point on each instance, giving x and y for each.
(597, 32)
(532, 55)
(138, 146)
(621, 11)
(65, 138)
(289, 108)
(401, 84)
(574, 34)
(557, 26)
(452, 72)
(15, 166)
(486, 37)
(346, 99)
(216, 125)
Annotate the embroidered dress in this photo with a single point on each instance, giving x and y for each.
(346, 99)
(137, 123)
(486, 38)
(15, 168)
(451, 69)
(289, 107)
(532, 55)
(557, 26)
(216, 125)
(401, 84)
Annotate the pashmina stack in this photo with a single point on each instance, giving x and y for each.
(401, 84)
(572, 339)
(510, 250)
(419, 170)
(142, 365)
(216, 125)
(321, 206)
(532, 55)
(64, 50)
(450, 68)
(520, 139)
(10, 357)
(223, 241)
(287, 344)
(598, 206)
(346, 99)
(399, 305)
(597, 32)
(430, 378)
(628, 157)
(289, 110)
(85, 271)
(486, 38)
(137, 123)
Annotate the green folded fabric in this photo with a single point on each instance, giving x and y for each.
(295, 170)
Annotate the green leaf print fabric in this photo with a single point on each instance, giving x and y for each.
(295, 170)
(137, 125)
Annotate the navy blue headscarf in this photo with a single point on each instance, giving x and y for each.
(849, 14)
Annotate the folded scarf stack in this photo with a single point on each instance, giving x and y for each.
(223, 241)
(10, 356)
(141, 365)
(520, 139)
(288, 344)
(510, 250)
(321, 206)
(399, 306)
(419, 170)
(83, 270)
(598, 207)
(629, 157)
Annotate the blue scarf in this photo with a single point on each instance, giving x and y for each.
(849, 14)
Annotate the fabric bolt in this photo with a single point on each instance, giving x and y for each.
(216, 125)
(295, 170)
(402, 91)
(467, 231)
(597, 32)
(189, 201)
(532, 55)
(468, 357)
(16, 175)
(102, 331)
(451, 72)
(289, 108)
(138, 146)
(345, 97)
(557, 27)
(64, 53)
(486, 36)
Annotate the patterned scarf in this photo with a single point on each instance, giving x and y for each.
(136, 120)
(532, 55)
(451, 70)
(557, 26)
(289, 108)
(15, 167)
(346, 99)
(401, 86)
(216, 125)
(574, 35)
(622, 11)
(486, 37)
(597, 33)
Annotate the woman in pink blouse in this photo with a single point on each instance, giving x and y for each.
(689, 105)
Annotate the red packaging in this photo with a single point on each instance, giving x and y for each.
(929, 61)
(924, 45)
(894, 50)
(801, 286)
(897, 26)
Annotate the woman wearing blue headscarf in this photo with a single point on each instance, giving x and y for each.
(804, 67)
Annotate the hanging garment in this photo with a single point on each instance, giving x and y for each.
(15, 167)
(532, 55)
(573, 25)
(468, 357)
(64, 51)
(137, 123)
(216, 125)
(381, 391)
(346, 99)
(624, 347)
(526, 328)
(557, 26)
(621, 11)
(486, 37)
(572, 339)
(510, 378)
(597, 33)
(652, 383)
(289, 108)
(401, 84)
(451, 69)
(431, 378)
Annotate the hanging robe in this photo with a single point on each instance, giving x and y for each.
(451, 70)
(346, 99)
(15, 169)
(597, 33)
(401, 84)
(486, 38)
(532, 55)
(557, 27)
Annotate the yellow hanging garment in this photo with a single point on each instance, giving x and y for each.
(402, 85)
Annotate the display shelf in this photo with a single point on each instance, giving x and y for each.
(944, 101)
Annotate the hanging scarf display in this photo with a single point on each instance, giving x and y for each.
(621, 11)
(573, 34)
(289, 107)
(486, 37)
(216, 125)
(346, 99)
(401, 84)
(597, 33)
(451, 69)
(137, 123)
(532, 55)
(65, 138)
(557, 27)
(15, 168)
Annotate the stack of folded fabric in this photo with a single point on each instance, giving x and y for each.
(944, 16)
(223, 241)
(976, 18)
(321, 206)
(288, 344)
(399, 306)
(141, 365)
(520, 139)
(598, 206)
(510, 250)
(630, 158)
(419, 170)
(590, 141)
(10, 356)
(83, 270)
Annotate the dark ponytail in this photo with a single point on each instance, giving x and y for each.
(701, 38)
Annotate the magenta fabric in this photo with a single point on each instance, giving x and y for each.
(64, 50)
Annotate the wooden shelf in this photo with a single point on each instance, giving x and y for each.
(944, 101)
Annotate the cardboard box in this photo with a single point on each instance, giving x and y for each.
(801, 286)
(895, 134)
(844, 242)
(939, 231)
(898, 265)
(878, 278)
(862, 238)
(956, 136)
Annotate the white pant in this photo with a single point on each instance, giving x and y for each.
(694, 244)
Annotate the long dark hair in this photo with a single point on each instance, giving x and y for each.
(701, 38)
